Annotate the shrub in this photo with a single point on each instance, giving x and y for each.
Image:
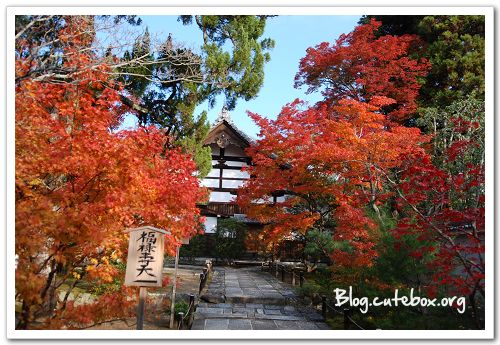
(230, 239)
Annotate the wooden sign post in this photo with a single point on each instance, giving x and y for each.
(144, 263)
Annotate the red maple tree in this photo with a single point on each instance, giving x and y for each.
(329, 164)
(360, 66)
(349, 155)
(444, 208)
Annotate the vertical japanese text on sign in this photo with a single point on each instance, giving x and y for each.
(145, 257)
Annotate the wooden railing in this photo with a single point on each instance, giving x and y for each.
(349, 323)
(224, 209)
(185, 320)
(295, 276)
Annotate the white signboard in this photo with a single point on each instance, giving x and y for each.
(145, 257)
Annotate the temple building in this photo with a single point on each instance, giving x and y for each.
(228, 145)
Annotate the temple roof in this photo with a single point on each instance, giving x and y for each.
(224, 132)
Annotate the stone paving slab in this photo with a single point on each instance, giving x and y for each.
(264, 324)
(267, 306)
(254, 305)
(250, 324)
(219, 305)
(198, 324)
(243, 310)
(243, 324)
(209, 310)
(216, 323)
(272, 312)
(302, 325)
(323, 326)
(274, 299)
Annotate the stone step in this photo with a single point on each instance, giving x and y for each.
(275, 299)
(249, 316)
(280, 317)
(254, 311)
(221, 316)
(250, 307)
(253, 324)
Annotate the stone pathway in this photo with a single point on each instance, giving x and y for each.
(246, 298)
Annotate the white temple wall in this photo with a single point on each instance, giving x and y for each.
(210, 225)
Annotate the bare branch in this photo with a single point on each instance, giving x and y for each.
(30, 24)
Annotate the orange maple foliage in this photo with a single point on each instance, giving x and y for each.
(329, 163)
(79, 184)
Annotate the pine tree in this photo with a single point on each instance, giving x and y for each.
(167, 92)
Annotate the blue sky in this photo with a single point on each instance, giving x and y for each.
(292, 34)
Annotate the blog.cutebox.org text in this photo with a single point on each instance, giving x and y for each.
(343, 297)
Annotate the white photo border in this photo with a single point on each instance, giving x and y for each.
(487, 333)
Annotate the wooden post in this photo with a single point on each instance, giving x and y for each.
(140, 308)
(301, 278)
(191, 308)
(282, 273)
(204, 275)
(347, 323)
(181, 320)
(323, 306)
(277, 270)
(191, 301)
(293, 276)
(174, 285)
